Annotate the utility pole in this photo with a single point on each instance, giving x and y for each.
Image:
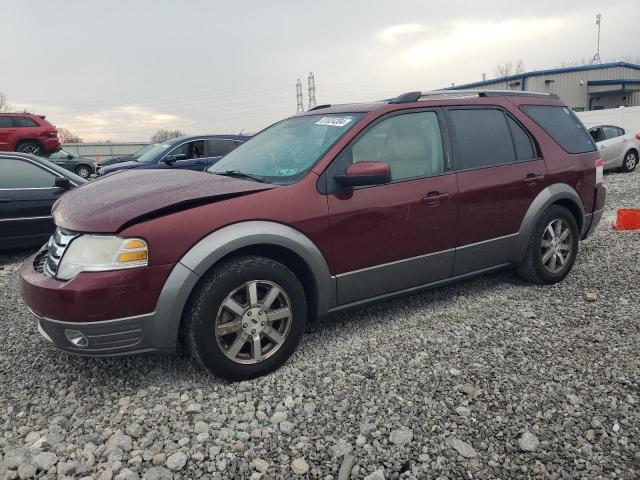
(300, 107)
(596, 57)
(312, 91)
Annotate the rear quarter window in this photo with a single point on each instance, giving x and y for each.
(24, 122)
(563, 126)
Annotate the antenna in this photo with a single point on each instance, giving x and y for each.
(300, 107)
(596, 57)
(312, 91)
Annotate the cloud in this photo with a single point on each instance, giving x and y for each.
(460, 40)
(118, 122)
(391, 34)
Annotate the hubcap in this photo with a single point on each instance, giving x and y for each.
(631, 161)
(83, 172)
(253, 322)
(557, 245)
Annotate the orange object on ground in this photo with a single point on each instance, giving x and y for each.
(628, 219)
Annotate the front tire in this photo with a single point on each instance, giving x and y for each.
(630, 161)
(32, 148)
(245, 317)
(553, 247)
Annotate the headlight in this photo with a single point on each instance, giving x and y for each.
(98, 253)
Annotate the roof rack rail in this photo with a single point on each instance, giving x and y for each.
(318, 107)
(452, 94)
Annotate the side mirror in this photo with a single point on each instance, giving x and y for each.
(62, 182)
(169, 159)
(365, 173)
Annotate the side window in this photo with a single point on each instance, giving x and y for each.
(219, 148)
(5, 122)
(482, 138)
(410, 143)
(179, 151)
(596, 134)
(563, 126)
(522, 141)
(22, 174)
(621, 131)
(24, 122)
(197, 149)
(610, 132)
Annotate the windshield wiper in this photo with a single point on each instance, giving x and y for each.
(239, 174)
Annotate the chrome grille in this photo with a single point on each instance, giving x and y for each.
(56, 247)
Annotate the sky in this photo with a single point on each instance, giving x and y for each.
(120, 70)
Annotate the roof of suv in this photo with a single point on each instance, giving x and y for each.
(417, 96)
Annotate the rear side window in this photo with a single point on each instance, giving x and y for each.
(482, 138)
(521, 141)
(5, 122)
(611, 132)
(24, 122)
(563, 126)
(22, 174)
(219, 148)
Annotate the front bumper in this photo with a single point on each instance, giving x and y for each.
(123, 336)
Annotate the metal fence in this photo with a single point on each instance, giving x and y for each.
(103, 151)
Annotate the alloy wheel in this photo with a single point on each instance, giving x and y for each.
(31, 149)
(253, 322)
(83, 172)
(557, 245)
(630, 161)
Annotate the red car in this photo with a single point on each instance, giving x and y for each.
(27, 133)
(333, 208)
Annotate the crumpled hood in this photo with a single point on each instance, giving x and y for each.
(107, 204)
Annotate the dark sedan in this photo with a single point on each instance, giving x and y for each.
(81, 166)
(127, 158)
(191, 153)
(29, 186)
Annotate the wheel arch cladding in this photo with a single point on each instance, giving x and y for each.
(274, 240)
(559, 194)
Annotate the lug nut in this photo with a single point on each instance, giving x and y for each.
(245, 325)
(253, 331)
(262, 323)
(260, 312)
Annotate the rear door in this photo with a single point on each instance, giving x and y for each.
(396, 236)
(6, 132)
(27, 193)
(613, 146)
(499, 174)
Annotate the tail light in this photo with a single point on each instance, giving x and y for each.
(638, 135)
(53, 134)
(599, 171)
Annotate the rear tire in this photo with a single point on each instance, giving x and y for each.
(83, 171)
(30, 147)
(630, 161)
(245, 318)
(553, 247)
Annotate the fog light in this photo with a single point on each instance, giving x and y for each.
(77, 338)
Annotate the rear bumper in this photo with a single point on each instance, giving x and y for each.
(592, 220)
(51, 145)
(122, 336)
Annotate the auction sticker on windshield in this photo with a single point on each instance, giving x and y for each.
(334, 121)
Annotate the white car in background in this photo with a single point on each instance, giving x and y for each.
(617, 148)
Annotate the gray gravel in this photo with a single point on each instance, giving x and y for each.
(490, 378)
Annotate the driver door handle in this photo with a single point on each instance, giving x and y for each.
(433, 199)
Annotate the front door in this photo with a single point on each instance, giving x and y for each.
(27, 193)
(499, 174)
(189, 156)
(393, 237)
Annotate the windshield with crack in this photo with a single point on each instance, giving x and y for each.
(286, 151)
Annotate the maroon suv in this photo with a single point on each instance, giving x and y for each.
(27, 133)
(336, 207)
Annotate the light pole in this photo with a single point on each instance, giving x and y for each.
(596, 57)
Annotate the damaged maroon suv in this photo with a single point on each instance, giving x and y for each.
(333, 208)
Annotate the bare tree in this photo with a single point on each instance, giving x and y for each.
(163, 135)
(4, 106)
(510, 68)
(66, 136)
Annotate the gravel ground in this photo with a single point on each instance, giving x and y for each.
(490, 378)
